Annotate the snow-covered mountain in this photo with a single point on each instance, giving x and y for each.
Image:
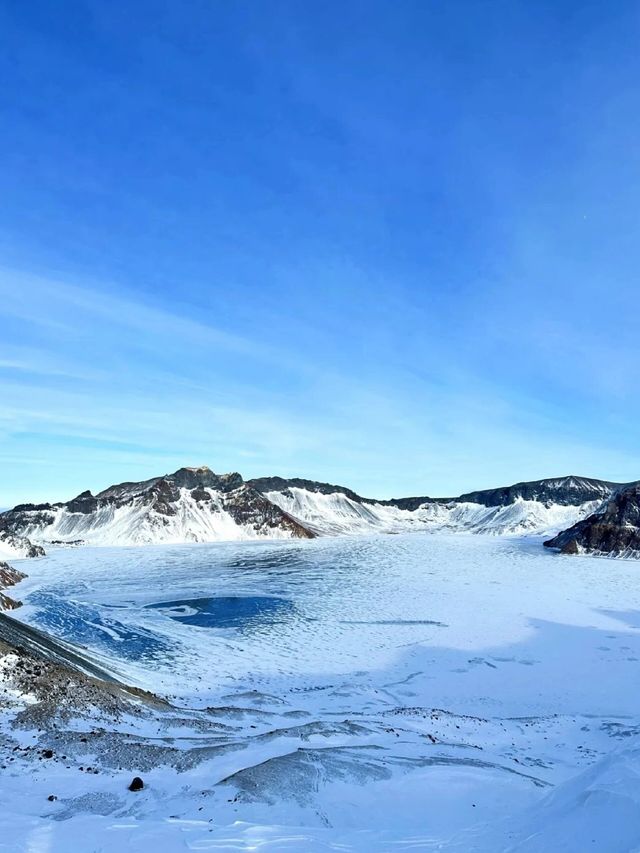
(191, 505)
(197, 505)
(540, 507)
(612, 530)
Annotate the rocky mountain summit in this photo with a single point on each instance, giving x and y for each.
(614, 529)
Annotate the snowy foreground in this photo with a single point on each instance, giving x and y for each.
(416, 692)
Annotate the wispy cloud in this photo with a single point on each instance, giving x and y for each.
(67, 307)
(99, 386)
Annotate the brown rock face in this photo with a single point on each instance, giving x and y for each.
(9, 576)
(247, 506)
(7, 603)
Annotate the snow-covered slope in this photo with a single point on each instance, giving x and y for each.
(137, 523)
(197, 505)
(445, 693)
(17, 547)
(332, 514)
(192, 505)
(519, 518)
(612, 530)
(598, 809)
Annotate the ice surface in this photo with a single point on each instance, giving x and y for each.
(416, 692)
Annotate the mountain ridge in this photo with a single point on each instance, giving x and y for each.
(197, 504)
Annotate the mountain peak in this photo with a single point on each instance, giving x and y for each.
(191, 478)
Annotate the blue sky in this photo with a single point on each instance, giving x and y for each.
(388, 244)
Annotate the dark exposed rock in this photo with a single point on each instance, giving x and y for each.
(191, 478)
(281, 484)
(571, 547)
(136, 784)
(164, 494)
(411, 504)
(160, 496)
(247, 506)
(22, 546)
(8, 577)
(565, 491)
(84, 503)
(8, 603)
(200, 494)
(32, 507)
(613, 529)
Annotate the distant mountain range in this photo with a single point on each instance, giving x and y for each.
(197, 505)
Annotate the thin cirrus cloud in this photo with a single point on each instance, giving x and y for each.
(397, 251)
(61, 306)
(117, 388)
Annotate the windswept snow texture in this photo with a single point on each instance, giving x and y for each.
(332, 514)
(373, 693)
(190, 505)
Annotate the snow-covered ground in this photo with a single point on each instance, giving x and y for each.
(400, 692)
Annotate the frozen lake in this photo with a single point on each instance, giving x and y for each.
(356, 680)
(459, 613)
(200, 619)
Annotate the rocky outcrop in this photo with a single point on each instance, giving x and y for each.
(559, 491)
(614, 529)
(8, 577)
(12, 545)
